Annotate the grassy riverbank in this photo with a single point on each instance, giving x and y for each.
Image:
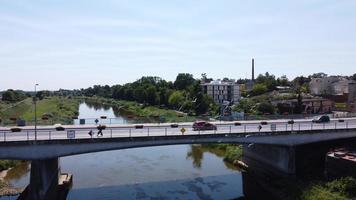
(339, 189)
(6, 164)
(140, 110)
(57, 109)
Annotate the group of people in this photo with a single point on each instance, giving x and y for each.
(100, 130)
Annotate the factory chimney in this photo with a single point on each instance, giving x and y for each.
(253, 69)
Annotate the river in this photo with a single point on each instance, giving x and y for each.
(164, 172)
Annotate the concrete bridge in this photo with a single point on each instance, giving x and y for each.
(277, 145)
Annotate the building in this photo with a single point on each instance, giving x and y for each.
(332, 85)
(309, 106)
(223, 92)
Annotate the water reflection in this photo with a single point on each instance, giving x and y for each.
(196, 154)
(97, 106)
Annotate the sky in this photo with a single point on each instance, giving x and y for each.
(76, 44)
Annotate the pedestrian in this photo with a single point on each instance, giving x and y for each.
(96, 121)
(259, 128)
(100, 132)
(91, 133)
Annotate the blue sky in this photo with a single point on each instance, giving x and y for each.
(75, 44)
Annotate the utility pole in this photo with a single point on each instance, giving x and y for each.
(35, 101)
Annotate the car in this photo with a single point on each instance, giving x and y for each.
(203, 125)
(174, 125)
(264, 123)
(321, 119)
(16, 129)
(237, 124)
(291, 121)
(59, 127)
(139, 126)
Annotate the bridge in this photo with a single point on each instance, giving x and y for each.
(275, 143)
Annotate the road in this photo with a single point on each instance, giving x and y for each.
(165, 129)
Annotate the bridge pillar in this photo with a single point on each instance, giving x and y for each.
(44, 179)
(270, 158)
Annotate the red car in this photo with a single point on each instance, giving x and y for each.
(202, 126)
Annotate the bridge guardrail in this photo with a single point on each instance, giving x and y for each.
(255, 129)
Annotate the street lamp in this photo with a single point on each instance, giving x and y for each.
(35, 100)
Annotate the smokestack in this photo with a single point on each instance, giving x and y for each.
(253, 69)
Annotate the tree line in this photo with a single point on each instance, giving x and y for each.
(184, 94)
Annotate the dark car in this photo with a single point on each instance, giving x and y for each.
(202, 126)
(321, 119)
(174, 125)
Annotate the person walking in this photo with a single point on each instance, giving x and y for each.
(91, 133)
(100, 132)
(259, 128)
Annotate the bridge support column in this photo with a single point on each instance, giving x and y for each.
(270, 158)
(44, 179)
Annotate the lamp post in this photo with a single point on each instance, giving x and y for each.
(35, 101)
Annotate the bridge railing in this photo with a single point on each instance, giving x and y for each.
(252, 129)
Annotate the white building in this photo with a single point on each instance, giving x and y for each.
(223, 92)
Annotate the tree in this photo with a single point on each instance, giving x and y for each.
(353, 77)
(139, 94)
(268, 80)
(202, 103)
(283, 81)
(183, 80)
(13, 96)
(8, 95)
(176, 99)
(259, 89)
(266, 107)
(152, 96)
(318, 75)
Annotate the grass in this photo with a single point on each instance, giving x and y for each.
(60, 109)
(16, 111)
(339, 189)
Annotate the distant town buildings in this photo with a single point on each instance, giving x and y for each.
(331, 85)
(308, 105)
(338, 89)
(223, 92)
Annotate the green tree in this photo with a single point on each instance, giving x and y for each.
(152, 95)
(13, 96)
(259, 89)
(176, 99)
(183, 80)
(266, 107)
(139, 94)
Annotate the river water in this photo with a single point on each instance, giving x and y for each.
(165, 172)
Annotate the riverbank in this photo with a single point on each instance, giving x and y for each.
(6, 189)
(133, 109)
(339, 189)
(50, 110)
